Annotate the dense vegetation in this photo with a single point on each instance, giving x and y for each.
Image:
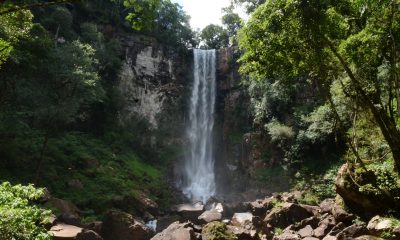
(326, 72)
(59, 103)
(323, 78)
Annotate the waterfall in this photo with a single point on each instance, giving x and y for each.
(199, 179)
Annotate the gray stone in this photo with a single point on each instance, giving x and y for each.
(176, 231)
(307, 231)
(242, 219)
(210, 216)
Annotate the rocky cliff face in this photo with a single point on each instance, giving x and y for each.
(155, 84)
(152, 79)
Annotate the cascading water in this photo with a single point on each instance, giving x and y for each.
(199, 179)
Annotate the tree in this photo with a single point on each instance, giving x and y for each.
(326, 40)
(250, 5)
(13, 27)
(141, 12)
(214, 36)
(231, 21)
(171, 25)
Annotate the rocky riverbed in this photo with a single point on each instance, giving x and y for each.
(277, 217)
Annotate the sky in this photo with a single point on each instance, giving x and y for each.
(203, 12)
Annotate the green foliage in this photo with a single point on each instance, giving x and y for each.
(232, 22)
(279, 132)
(141, 12)
(214, 36)
(286, 45)
(19, 218)
(171, 25)
(278, 231)
(249, 5)
(317, 181)
(320, 124)
(217, 231)
(13, 27)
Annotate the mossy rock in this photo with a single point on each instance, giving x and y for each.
(217, 231)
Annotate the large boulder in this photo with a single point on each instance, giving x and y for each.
(176, 231)
(367, 203)
(377, 225)
(119, 225)
(210, 216)
(145, 204)
(284, 216)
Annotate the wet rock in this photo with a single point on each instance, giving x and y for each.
(63, 231)
(177, 231)
(210, 216)
(88, 235)
(118, 225)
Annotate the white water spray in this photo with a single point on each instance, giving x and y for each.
(199, 178)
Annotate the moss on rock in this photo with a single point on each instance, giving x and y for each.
(217, 231)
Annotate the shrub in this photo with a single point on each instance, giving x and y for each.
(279, 132)
(19, 218)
